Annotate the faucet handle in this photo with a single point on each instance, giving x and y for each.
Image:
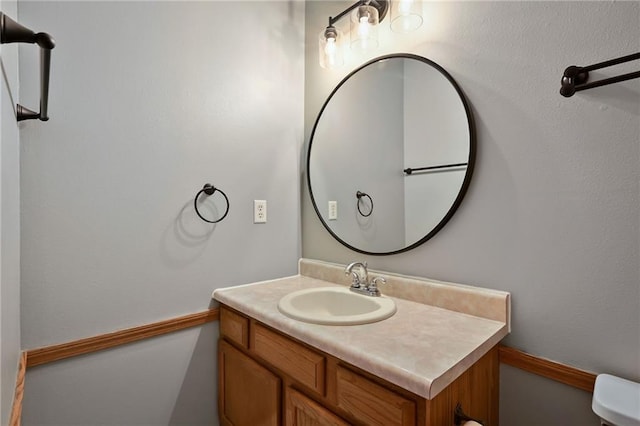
(381, 280)
(373, 285)
(355, 280)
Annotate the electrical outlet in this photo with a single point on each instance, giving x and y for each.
(333, 210)
(259, 211)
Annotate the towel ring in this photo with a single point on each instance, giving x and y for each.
(359, 195)
(209, 190)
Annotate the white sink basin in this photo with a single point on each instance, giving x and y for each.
(335, 306)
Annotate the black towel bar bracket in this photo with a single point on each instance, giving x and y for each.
(576, 78)
(12, 32)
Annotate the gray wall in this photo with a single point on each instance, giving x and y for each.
(9, 222)
(552, 213)
(161, 381)
(148, 102)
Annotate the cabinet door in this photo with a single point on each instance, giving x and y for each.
(248, 393)
(303, 411)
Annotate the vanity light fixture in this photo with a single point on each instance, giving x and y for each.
(330, 43)
(365, 16)
(364, 28)
(406, 16)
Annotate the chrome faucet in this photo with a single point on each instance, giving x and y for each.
(360, 279)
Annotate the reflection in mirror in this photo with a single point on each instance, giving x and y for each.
(399, 130)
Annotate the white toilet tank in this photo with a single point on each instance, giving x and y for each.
(616, 401)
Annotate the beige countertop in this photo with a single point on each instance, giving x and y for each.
(422, 348)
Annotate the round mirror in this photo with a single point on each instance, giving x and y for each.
(391, 154)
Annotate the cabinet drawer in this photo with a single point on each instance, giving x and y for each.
(234, 327)
(302, 411)
(294, 359)
(370, 402)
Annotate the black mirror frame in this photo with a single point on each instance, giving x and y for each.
(470, 162)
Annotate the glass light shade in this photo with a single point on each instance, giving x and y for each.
(330, 48)
(364, 29)
(406, 15)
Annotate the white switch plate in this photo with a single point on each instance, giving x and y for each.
(333, 210)
(259, 211)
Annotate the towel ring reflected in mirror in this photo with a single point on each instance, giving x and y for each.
(359, 196)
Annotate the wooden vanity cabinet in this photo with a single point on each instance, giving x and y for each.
(268, 378)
